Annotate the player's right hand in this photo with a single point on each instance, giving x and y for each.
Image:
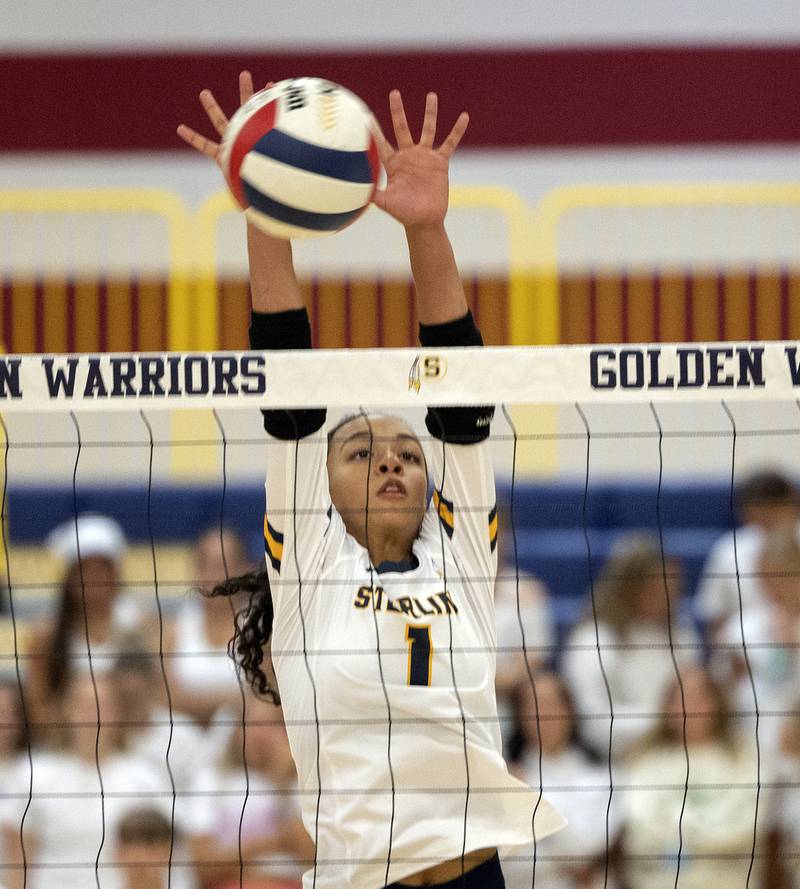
(217, 117)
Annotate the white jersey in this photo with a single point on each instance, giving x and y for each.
(387, 680)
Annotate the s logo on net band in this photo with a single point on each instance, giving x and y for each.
(427, 368)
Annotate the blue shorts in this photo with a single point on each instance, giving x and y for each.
(485, 876)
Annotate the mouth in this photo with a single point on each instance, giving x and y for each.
(392, 488)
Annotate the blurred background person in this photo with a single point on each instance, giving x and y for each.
(772, 635)
(717, 818)
(202, 678)
(553, 758)
(765, 501)
(82, 787)
(145, 844)
(171, 741)
(638, 604)
(522, 603)
(91, 602)
(254, 811)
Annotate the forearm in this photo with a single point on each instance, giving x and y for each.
(457, 425)
(279, 321)
(273, 284)
(440, 295)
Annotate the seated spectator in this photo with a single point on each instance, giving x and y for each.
(202, 677)
(772, 636)
(522, 604)
(553, 759)
(153, 727)
(636, 621)
(145, 846)
(80, 792)
(764, 502)
(713, 824)
(92, 613)
(253, 812)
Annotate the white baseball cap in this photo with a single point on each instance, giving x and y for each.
(99, 535)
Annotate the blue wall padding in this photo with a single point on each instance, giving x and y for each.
(549, 519)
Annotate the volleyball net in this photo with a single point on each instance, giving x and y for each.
(667, 735)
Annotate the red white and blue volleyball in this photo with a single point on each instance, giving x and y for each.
(301, 159)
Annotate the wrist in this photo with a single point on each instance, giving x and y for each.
(426, 230)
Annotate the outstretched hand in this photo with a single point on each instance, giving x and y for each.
(417, 184)
(217, 117)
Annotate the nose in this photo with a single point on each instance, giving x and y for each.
(389, 462)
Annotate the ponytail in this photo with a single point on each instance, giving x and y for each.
(252, 629)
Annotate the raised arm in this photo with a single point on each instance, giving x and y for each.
(417, 195)
(298, 500)
(273, 284)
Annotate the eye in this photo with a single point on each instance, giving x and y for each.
(361, 454)
(411, 457)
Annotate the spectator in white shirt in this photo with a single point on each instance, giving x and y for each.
(622, 657)
(764, 502)
(202, 677)
(554, 759)
(772, 636)
(92, 615)
(66, 809)
(246, 811)
(714, 832)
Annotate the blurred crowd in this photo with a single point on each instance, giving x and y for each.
(665, 727)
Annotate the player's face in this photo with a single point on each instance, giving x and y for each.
(376, 470)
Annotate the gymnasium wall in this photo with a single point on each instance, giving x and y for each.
(566, 93)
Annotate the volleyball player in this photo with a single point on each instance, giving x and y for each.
(380, 617)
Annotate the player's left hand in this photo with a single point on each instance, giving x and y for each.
(417, 183)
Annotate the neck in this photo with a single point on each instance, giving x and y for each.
(387, 548)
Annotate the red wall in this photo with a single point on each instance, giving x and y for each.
(517, 98)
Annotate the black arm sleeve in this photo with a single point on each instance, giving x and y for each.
(285, 330)
(456, 425)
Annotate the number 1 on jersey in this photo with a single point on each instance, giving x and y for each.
(420, 654)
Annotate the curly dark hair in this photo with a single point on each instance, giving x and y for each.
(252, 628)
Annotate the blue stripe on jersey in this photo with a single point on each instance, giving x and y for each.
(351, 166)
(322, 222)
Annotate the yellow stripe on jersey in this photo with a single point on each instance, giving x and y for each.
(444, 509)
(273, 544)
(493, 528)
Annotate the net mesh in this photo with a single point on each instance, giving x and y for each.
(646, 658)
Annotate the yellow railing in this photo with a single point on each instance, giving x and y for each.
(542, 324)
(556, 206)
(534, 235)
(120, 202)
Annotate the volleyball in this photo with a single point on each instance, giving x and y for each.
(300, 157)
